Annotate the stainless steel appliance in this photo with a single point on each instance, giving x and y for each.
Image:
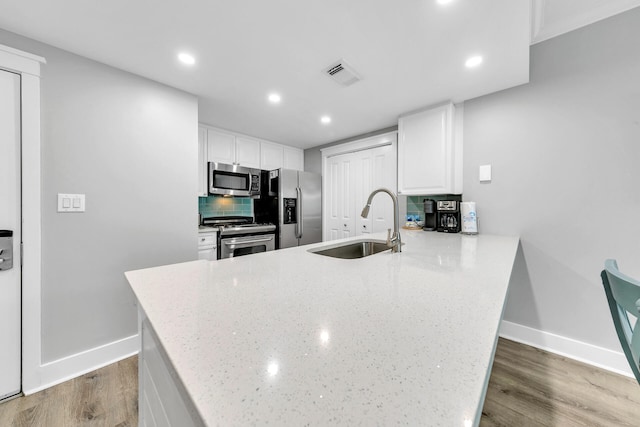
(233, 180)
(430, 213)
(238, 236)
(448, 216)
(293, 201)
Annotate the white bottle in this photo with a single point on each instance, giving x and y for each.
(469, 218)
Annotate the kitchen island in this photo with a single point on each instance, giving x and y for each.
(290, 337)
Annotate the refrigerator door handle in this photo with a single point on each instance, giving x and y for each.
(300, 213)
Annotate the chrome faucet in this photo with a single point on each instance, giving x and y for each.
(393, 240)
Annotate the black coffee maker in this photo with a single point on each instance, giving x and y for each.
(448, 218)
(430, 215)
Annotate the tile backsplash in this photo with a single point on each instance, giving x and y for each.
(225, 206)
(415, 204)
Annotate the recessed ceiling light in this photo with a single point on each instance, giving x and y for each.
(185, 58)
(474, 61)
(325, 119)
(274, 98)
(444, 1)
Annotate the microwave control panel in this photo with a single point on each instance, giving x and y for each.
(255, 183)
(289, 211)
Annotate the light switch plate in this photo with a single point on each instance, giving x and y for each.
(71, 202)
(485, 173)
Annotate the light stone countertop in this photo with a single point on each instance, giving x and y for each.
(207, 229)
(294, 338)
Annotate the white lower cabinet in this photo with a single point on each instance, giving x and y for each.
(348, 179)
(208, 245)
(430, 152)
(162, 399)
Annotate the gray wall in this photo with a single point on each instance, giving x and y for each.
(130, 145)
(565, 151)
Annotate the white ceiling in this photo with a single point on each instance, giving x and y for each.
(410, 53)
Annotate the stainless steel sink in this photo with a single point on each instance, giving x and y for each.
(353, 250)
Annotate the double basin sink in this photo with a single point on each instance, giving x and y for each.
(353, 250)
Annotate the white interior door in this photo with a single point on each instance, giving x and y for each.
(10, 279)
(349, 179)
(383, 160)
(339, 201)
(375, 168)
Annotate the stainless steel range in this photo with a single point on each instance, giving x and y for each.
(239, 235)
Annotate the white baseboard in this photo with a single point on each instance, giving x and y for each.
(614, 361)
(61, 370)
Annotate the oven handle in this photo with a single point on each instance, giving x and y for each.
(299, 225)
(233, 242)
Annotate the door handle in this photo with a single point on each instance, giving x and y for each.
(234, 242)
(300, 213)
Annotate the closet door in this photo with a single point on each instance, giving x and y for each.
(339, 200)
(376, 169)
(349, 180)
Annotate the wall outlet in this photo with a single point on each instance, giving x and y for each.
(71, 202)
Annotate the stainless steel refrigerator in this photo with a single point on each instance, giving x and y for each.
(293, 201)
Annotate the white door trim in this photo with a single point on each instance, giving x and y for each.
(28, 66)
(359, 145)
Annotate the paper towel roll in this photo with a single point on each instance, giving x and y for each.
(469, 218)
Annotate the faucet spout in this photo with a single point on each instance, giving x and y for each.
(393, 240)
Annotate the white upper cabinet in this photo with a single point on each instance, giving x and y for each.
(203, 191)
(226, 147)
(221, 147)
(429, 152)
(271, 155)
(248, 152)
(217, 145)
(274, 156)
(293, 158)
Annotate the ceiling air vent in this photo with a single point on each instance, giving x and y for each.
(342, 73)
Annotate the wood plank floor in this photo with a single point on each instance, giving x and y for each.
(531, 387)
(528, 387)
(106, 397)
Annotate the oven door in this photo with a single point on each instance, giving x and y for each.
(245, 245)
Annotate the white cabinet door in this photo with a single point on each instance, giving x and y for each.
(202, 163)
(429, 157)
(221, 147)
(271, 155)
(162, 401)
(248, 152)
(340, 203)
(207, 245)
(293, 158)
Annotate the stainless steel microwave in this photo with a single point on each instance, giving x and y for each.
(233, 180)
